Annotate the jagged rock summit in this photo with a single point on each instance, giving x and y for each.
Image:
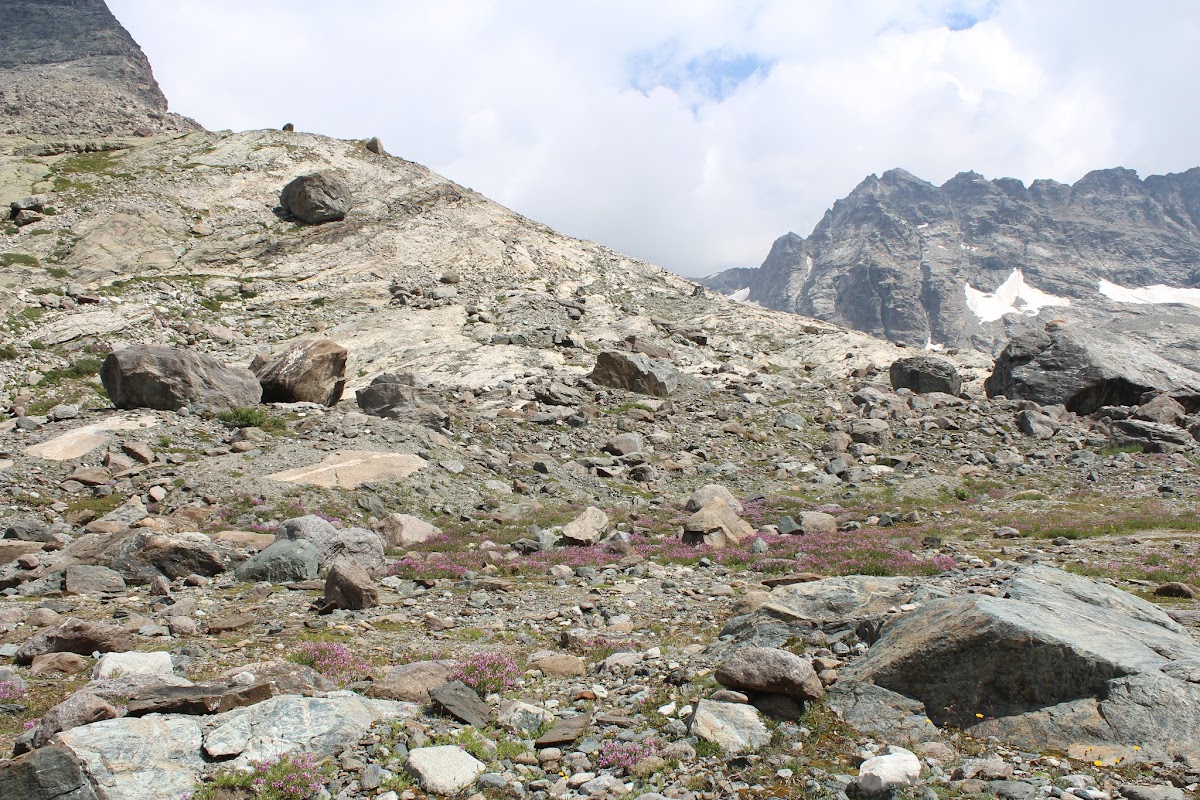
(970, 262)
(69, 69)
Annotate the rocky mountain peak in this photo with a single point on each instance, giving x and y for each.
(68, 68)
(974, 261)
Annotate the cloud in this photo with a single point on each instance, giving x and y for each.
(691, 133)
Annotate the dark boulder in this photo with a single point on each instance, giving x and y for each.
(924, 374)
(316, 198)
(400, 395)
(635, 373)
(50, 773)
(170, 378)
(1086, 369)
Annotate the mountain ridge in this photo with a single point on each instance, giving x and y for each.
(895, 256)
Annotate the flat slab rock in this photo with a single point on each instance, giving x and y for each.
(77, 443)
(349, 469)
(444, 770)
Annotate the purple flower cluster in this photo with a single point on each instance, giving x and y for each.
(486, 673)
(11, 690)
(289, 777)
(334, 661)
(866, 552)
(623, 755)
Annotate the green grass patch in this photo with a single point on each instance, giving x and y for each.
(80, 368)
(18, 260)
(253, 417)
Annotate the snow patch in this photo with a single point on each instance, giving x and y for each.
(923, 225)
(1156, 294)
(936, 348)
(1014, 296)
(741, 295)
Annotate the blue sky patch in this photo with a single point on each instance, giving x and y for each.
(712, 75)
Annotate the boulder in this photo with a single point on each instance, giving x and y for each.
(769, 669)
(1163, 409)
(924, 374)
(284, 561)
(635, 373)
(716, 525)
(359, 544)
(81, 708)
(401, 531)
(461, 702)
(735, 727)
(1085, 369)
(171, 378)
(896, 769)
(875, 432)
(201, 699)
(317, 725)
(87, 579)
(348, 586)
(444, 770)
(49, 773)
(317, 198)
(713, 491)
(586, 529)
(400, 395)
(1054, 661)
(311, 370)
(624, 444)
(75, 636)
(113, 665)
(136, 759)
(413, 682)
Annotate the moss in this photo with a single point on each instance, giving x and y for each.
(18, 260)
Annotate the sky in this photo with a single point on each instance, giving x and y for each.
(692, 133)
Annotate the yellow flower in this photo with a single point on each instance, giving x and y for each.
(928, 722)
(1137, 747)
(1098, 763)
(979, 716)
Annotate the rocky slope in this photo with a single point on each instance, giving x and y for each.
(539, 520)
(68, 69)
(966, 264)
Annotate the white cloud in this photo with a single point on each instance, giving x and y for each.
(693, 132)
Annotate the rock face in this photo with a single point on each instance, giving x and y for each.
(75, 636)
(170, 378)
(51, 773)
(309, 371)
(1085, 369)
(316, 198)
(1057, 660)
(68, 68)
(963, 264)
(635, 373)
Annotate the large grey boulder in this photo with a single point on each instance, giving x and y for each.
(310, 370)
(1055, 661)
(400, 395)
(170, 378)
(635, 373)
(1084, 369)
(924, 374)
(284, 561)
(359, 544)
(50, 773)
(769, 669)
(75, 636)
(135, 759)
(348, 586)
(317, 198)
